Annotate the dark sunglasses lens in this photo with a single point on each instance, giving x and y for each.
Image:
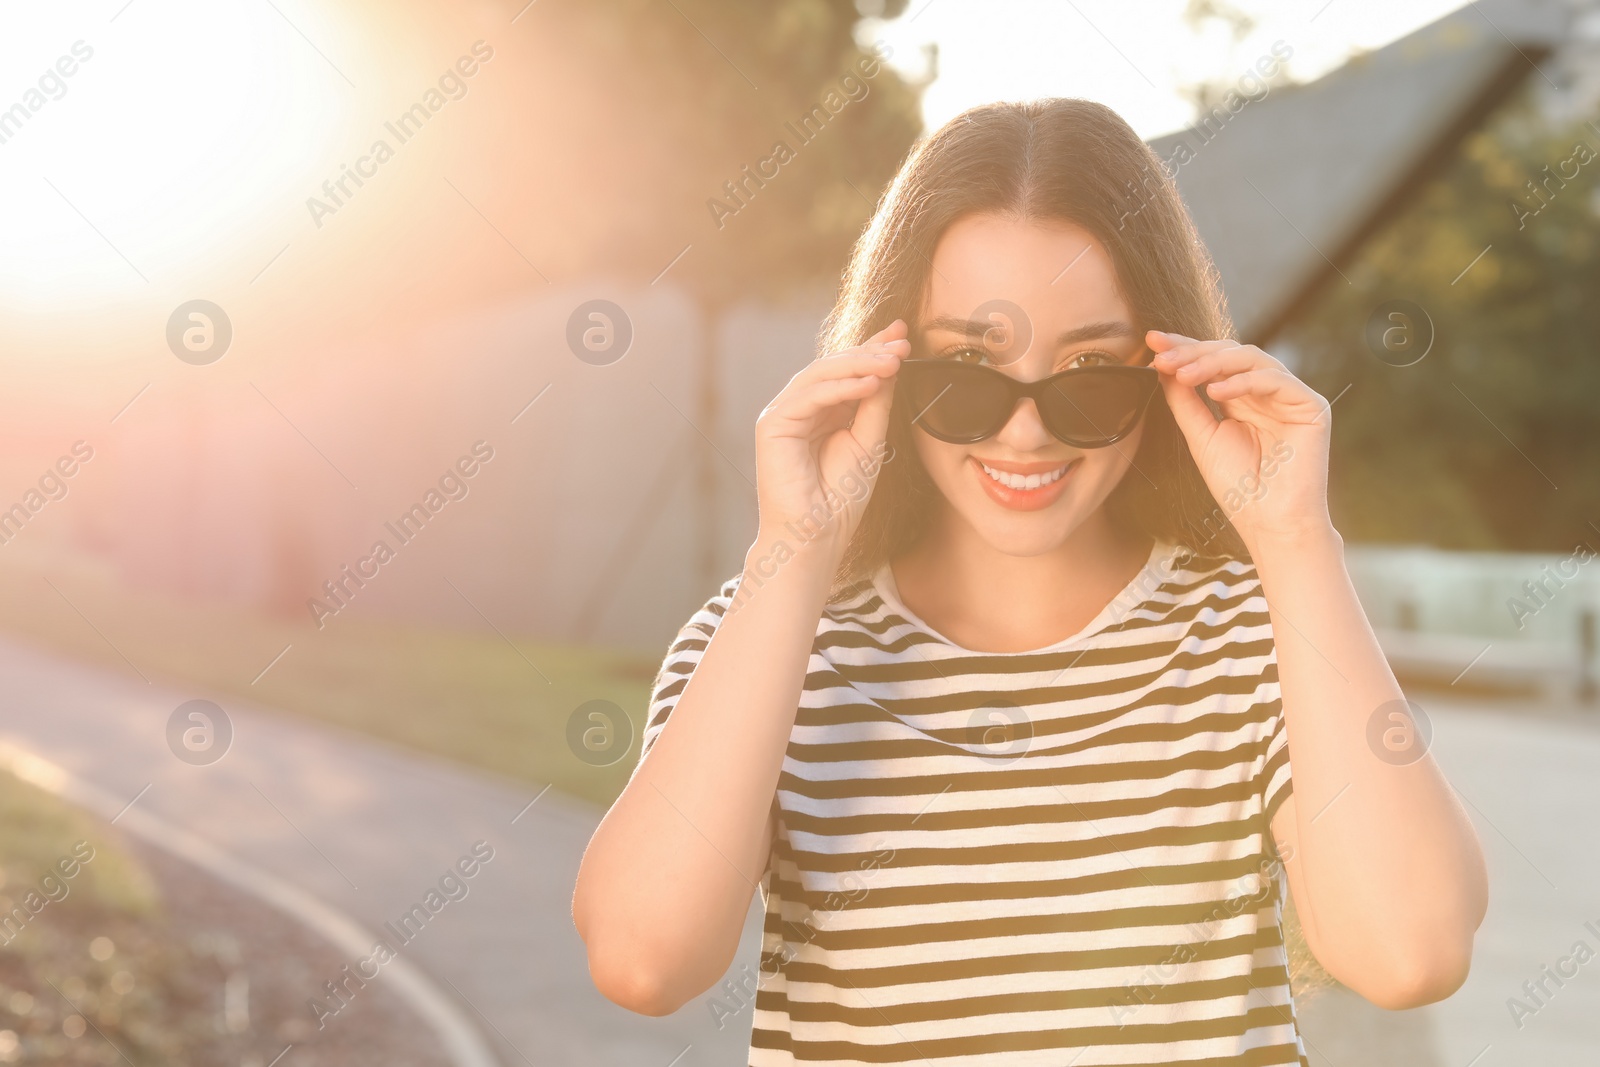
(955, 401)
(1095, 406)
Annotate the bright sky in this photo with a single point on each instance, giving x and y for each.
(1132, 55)
(179, 131)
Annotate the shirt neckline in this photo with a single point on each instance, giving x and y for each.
(1118, 606)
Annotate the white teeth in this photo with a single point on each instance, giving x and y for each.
(1024, 481)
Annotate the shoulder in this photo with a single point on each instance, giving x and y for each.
(854, 607)
(863, 624)
(1217, 613)
(1187, 574)
(1211, 590)
(854, 603)
(692, 638)
(703, 623)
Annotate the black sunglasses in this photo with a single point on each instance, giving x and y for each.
(962, 403)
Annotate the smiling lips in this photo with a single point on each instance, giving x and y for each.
(1024, 486)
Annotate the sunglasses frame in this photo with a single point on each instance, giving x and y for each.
(1148, 377)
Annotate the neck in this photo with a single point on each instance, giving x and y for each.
(988, 601)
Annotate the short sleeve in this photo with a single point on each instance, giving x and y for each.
(1274, 780)
(683, 655)
(1278, 781)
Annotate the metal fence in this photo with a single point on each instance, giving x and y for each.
(1484, 617)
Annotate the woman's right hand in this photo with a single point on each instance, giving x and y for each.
(820, 443)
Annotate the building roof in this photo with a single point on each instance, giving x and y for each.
(1285, 188)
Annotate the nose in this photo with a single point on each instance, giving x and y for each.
(1024, 431)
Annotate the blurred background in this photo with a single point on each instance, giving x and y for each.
(378, 392)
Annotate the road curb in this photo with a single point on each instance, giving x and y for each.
(462, 1041)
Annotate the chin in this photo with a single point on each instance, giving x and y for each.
(1038, 541)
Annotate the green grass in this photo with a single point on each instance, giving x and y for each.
(470, 698)
(37, 831)
(467, 696)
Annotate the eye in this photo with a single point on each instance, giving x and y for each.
(1092, 358)
(965, 354)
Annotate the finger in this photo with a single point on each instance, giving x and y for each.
(832, 420)
(1161, 340)
(899, 347)
(1189, 411)
(845, 365)
(1188, 351)
(802, 408)
(872, 416)
(896, 329)
(1221, 363)
(1270, 382)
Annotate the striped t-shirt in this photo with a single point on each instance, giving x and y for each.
(1046, 858)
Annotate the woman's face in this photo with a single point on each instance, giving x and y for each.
(1023, 491)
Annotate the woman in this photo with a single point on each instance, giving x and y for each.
(1002, 712)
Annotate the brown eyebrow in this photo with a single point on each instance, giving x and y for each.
(1094, 331)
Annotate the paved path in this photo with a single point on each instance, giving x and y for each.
(1532, 786)
(369, 829)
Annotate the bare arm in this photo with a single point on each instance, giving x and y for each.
(667, 879)
(1385, 867)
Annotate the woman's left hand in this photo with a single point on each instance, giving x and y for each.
(1266, 462)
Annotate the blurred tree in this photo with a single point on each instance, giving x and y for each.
(1492, 440)
(1211, 92)
(752, 141)
(1196, 13)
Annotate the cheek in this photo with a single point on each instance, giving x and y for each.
(941, 460)
(1108, 466)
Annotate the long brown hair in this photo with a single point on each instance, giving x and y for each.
(1058, 159)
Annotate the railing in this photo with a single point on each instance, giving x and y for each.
(1485, 618)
